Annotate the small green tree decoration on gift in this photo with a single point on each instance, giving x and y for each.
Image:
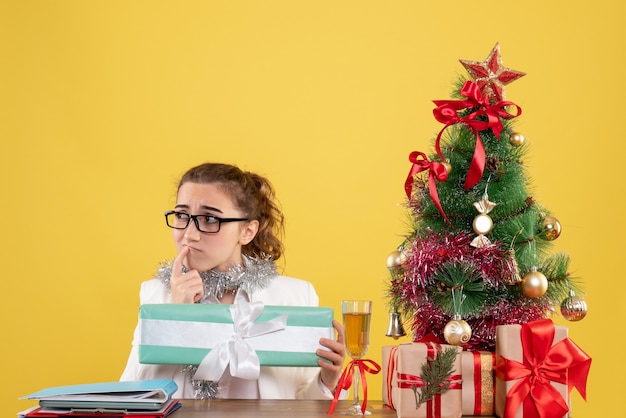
(435, 376)
(478, 251)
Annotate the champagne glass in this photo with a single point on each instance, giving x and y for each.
(356, 324)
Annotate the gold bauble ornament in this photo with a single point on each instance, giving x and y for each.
(482, 224)
(534, 284)
(457, 332)
(516, 139)
(448, 167)
(550, 228)
(573, 308)
(395, 259)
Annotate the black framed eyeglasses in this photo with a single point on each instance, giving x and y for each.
(205, 223)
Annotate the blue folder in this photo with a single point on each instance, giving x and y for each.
(140, 394)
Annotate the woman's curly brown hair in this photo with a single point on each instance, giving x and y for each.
(254, 195)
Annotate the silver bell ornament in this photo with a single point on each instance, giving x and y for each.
(395, 329)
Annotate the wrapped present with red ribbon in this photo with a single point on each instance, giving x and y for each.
(537, 366)
(402, 370)
(388, 365)
(477, 371)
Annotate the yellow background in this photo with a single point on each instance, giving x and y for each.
(105, 103)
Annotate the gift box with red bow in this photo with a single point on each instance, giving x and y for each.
(389, 357)
(478, 382)
(537, 366)
(402, 370)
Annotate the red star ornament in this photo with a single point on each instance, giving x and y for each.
(490, 75)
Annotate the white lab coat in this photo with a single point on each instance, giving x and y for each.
(273, 382)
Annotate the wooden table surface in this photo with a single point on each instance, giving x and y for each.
(266, 408)
(270, 408)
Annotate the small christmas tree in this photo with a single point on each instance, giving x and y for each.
(478, 253)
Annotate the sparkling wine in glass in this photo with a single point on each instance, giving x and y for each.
(356, 324)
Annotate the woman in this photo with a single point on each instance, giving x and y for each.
(226, 226)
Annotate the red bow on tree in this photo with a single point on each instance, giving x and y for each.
(446, 112)
(436, 171)
(563, 362)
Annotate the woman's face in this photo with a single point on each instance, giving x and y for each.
(208, 251)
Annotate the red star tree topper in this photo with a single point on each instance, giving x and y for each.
(490, 75)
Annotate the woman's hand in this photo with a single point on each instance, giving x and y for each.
(186, 287)
(332, 361)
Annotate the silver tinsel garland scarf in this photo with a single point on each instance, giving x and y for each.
(254, 274)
